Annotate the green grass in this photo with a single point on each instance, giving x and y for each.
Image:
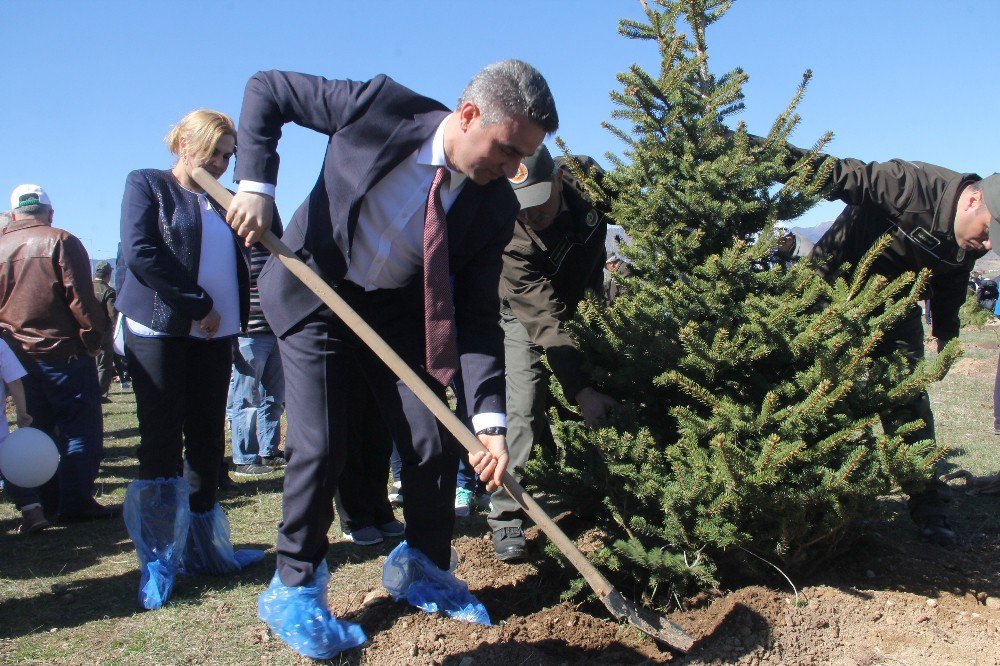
(213, 620)
(209, 620)
(963, 404)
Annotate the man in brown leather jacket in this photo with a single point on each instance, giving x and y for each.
(937, 219)
(51, 319)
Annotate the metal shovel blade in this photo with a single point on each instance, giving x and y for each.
(647, 622)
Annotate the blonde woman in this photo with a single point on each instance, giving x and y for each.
(184, 297)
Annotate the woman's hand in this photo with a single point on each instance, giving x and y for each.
(249, 215)
(24, 419)
(210, 324)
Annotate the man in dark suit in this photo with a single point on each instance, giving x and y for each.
(411, 194)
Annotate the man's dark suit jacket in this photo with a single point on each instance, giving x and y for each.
(373, 126)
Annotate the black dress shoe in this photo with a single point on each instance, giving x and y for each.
(509, 544)
(93, 512)
(226, 483)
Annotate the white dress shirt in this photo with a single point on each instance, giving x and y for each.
(216, 275)
(387, 251)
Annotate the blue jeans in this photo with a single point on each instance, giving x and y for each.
(64, 400)
(257, 394)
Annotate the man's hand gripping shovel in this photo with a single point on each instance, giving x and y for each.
(655, 625)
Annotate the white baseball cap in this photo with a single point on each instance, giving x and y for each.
(29, 195)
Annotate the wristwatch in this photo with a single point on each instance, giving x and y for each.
(493, 430)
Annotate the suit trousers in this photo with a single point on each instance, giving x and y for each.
(325, 363)
(181, 385)
(362, 493)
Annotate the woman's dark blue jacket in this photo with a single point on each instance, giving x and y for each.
(161, 248)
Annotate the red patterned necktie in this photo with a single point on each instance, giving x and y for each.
(439, 308)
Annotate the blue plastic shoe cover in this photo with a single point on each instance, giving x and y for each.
(209, 549)
(409, 574)
(157, 517)
(299, 616)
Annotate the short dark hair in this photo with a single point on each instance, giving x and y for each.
(512, 89)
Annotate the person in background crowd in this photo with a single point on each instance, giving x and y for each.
(987, 293)
(185, 295)
(53, 322)
(616, 265)
(791, 247)
(121, 365)
(105, 294)
(257, 388)
(33, 517)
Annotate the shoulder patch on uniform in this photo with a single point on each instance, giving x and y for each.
(520, 176)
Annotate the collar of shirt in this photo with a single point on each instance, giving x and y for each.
(432, 153)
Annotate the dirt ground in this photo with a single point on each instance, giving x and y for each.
(891, 601)
(895, 601)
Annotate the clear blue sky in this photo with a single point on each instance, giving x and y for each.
(90, 88)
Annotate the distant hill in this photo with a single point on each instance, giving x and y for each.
(812, 233)
(989, 264)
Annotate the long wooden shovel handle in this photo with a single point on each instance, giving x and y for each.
(332, 299)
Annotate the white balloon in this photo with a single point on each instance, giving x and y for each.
(28, 457)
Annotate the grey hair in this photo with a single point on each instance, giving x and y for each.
(34, 210)
(512, 89)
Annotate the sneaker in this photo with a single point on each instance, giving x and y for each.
(463, 502)
(274, 462)
(483, 501)
(936, 530)
(396, 496)
(33, 520)
(393, 528)
(366, 536)
(509, 544)
(251, 470)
